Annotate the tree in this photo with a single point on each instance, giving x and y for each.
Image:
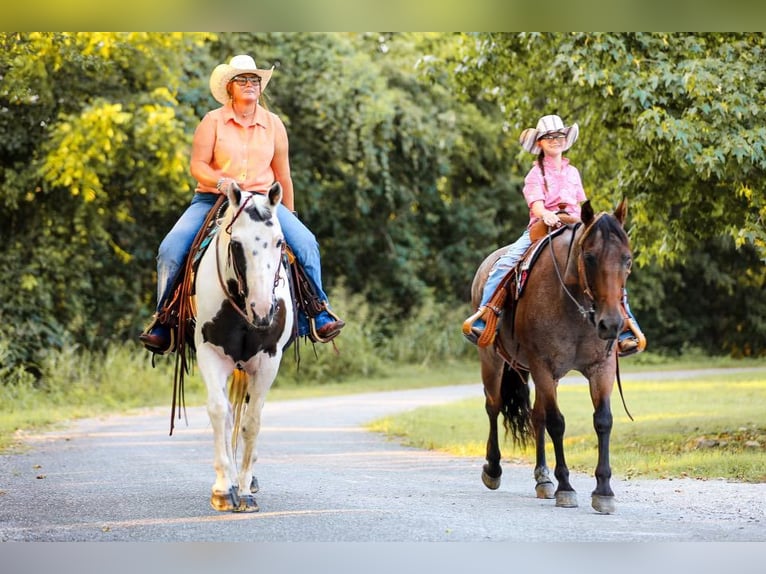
(676, 122)
(93, 153)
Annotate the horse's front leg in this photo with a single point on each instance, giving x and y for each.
(546, 409)
(215, 372)
(602, 498)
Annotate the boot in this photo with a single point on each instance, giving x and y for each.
(632, 339)
(157, 338)
(481, 327)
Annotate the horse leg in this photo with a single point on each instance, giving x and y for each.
(247, 483)
(543, 483)
(491, 370)
(546, 409)
(225, 495)
(260, 382)
(602, 498)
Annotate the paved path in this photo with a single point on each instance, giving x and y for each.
(325, 479)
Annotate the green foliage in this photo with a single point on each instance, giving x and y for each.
(405, 163)
(673, 121)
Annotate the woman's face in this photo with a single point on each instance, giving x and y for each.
(245, 88)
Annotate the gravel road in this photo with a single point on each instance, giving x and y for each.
(324, 478)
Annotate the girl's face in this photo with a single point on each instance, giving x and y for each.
(553, 144)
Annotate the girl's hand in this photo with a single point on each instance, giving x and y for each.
(551, 219)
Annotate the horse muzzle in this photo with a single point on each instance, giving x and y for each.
(609, 325)
(262, 321)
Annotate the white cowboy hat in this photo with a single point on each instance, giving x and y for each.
(548, 125)
(223, 74)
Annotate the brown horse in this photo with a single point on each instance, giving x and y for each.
(567, 318)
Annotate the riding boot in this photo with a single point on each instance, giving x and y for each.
(632, 339)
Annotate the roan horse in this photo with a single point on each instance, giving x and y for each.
(244, 320)
(567, 318)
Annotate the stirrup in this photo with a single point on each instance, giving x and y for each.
(636, 336)
(314, 336)
(156, 350)
(484, 338)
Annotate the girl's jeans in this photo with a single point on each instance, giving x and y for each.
(503, 265)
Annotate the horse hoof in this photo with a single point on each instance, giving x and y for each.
(254, 486)
(545, 490)
(225, 501)
(491, 482)
(247, 503)
(603, 504)
(566, 499)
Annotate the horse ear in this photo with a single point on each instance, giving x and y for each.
(275, 193)
(621, 212)
(586, 213)
(234, 193)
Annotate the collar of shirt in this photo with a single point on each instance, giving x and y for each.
(228, 114)
(548, 162)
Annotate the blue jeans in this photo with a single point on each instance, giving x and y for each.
(177, 243)
(503, 265)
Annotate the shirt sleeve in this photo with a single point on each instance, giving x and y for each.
(534, 186)
(577, 182)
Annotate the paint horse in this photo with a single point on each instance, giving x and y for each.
(244, 319)
(568, 317)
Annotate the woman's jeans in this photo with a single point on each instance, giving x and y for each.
(503, 265)
(176, 245)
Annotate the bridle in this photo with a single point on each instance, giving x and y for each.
(232, 263)
(582, 276)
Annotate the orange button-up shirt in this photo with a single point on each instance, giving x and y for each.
(242, 152)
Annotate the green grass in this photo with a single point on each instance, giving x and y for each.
(704, 428)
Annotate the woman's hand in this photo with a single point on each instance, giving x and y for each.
(224, 184)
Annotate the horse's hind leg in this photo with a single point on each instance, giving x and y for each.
(491, 370)
(546, 409)
(543, 484)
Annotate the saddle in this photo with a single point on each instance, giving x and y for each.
(179, 314)
(516, 276)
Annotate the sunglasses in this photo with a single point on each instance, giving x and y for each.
(552, 137)
(243, 80)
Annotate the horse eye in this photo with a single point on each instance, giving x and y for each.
(590, 259)
(280, 242)
(628, 263)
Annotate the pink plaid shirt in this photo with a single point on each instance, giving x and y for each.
(564, 187)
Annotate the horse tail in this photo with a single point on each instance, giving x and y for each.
(516, 406)
(238, 399)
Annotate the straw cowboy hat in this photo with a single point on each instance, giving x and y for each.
(223, 74)
(548, 125)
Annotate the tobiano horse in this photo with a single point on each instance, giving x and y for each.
(567, 317)
(244, 320)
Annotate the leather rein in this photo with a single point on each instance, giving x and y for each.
(582, 277)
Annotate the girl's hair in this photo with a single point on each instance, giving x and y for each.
(540, 162)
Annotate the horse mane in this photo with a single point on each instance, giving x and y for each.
(608, 225)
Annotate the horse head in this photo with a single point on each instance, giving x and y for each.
(604, 261)
(255, 250)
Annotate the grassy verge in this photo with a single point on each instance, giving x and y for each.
(709, 427)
